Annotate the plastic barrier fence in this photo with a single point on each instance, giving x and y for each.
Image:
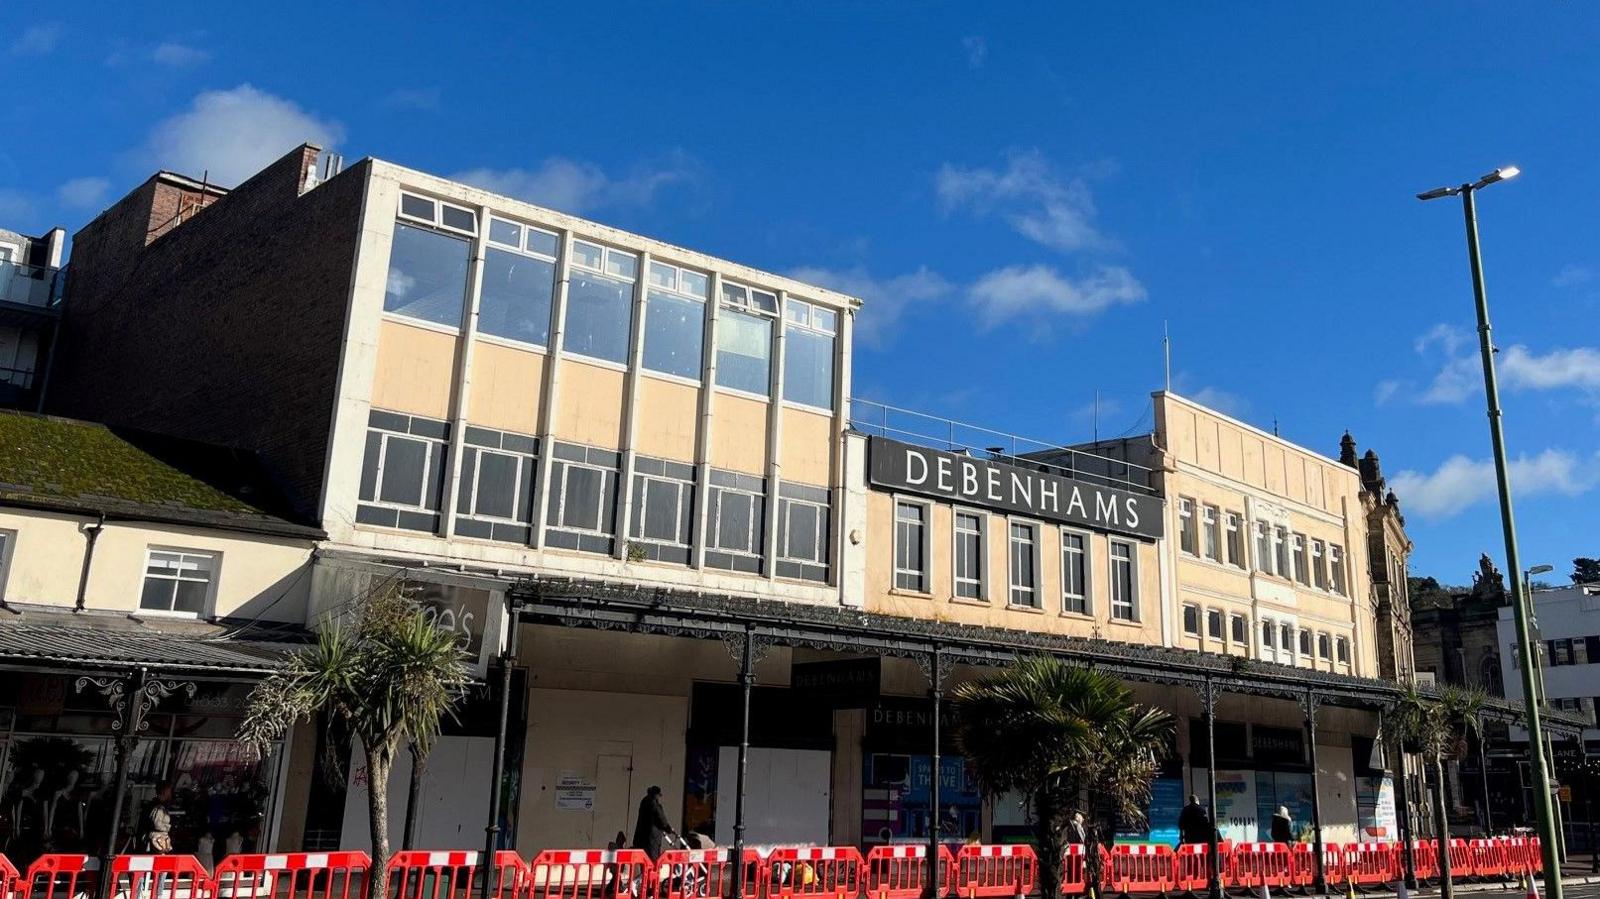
(60, 876)
(8, 878)
(1191, 868)
(1425, 859)
(293, 875)
(1006, 871)
(1461, 859)
(589, 873)
(1489, 858)
(159, 877)
(1535, 855)
(1074, 870)
(1371, 864)
(837, 871)
(901, 872)
(1136, 869)
(1254, 865)
(697, 873)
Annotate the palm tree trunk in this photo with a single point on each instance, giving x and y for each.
(378, 765)
(419, 763)
(1441, 828)
(1045, 833)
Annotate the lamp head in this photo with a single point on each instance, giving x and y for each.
(1505, 173)
(1540, 569)
(1438, 192)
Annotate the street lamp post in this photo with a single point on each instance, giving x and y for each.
(1541, 791)
(1543, 698)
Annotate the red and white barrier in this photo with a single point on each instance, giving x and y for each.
(9, 877)
(836, 871)
(1142, 868)
(60, 876)
(1191, 868)
(1005, 871)
(293, 875)
(590, 873)
(1074, 870)
(1371, 864)
(1254, 865)
(901, 871)
(701, 873)
(160, 877)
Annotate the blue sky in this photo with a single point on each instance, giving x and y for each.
(1023, 196)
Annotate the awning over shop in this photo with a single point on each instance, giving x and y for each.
(47, 639)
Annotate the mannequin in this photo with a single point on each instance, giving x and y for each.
(28, 813)
(68, 813)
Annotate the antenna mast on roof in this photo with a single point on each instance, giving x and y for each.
(1097, 415)
(1166, 353)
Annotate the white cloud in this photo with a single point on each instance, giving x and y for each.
(1386, 390)
(83, 193)
(1460, 376)
(14, 206)
(1573, 276)
(1221, 400)
(178, 56)
(977, 50)
(232, 134)
(574, 186)
(1459, 482)
(1027, 291)
(884, 300)
(37, 40)
(1039, 204)
(425, 99)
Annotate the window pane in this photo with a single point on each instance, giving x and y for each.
(733, 521)
(663, 276)
(369, 465)
(824, 319)
(661, 511)
(581, 498)
(744, 351)
(622, 265)
(766, 302)
(599, 313)
(803, 521)
(427, 275)
(417, 207)
(497, 484)
(190, 596)
(157, 594)
(808, 368)
(673, 332)
(405, 465)
(515, 302)
(542, 242)
(586, 254)
(463, 219)
(504, 232)
(694, 283)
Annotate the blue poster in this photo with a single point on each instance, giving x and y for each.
(1166, 803)
(1291, 790)
(896, 793)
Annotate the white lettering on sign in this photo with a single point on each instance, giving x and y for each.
(1015, 485)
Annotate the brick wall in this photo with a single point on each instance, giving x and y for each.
(225, 325)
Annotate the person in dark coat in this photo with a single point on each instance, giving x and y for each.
(1076, 834)
(652, 826)
(1282, 826)
(1194, 822)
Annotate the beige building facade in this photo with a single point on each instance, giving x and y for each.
(643, 455)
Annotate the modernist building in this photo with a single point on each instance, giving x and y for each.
(651, 457)
(31, 281)
(147, 579)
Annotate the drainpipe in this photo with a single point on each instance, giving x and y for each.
(92, 532)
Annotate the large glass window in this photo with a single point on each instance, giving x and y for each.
(1191, 619)
(1336, 566)
(744, 351)
(1319, 573)
(583, 498)
(1188, 541)
(1214, 623)
(808, 354)
(177, 581)
(1305, 643)
(1280, 550)
(969, 555)
(402, 471)
(519, 274)
(1124, 582)
(427, 275)
(911, 546)
(1024, 565)
(1302, 571)
(1075, 572)
(674, 320)
(1264, 557)
(736, 521)
(663, 510)
(599, 302)
(1238, 629)
(804, 531)
(1209, 525)
(1235, 540)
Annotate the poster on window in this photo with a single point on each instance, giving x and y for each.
(1161, 814)
(897, 793)
(1236, 806)
(1290, 791)
(1375, 811)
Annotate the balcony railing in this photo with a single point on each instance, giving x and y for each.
(954, 436)
(31, 285)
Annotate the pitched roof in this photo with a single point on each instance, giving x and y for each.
(63, 464)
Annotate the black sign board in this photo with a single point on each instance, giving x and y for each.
(842, 684)
(1283, 745)
(1038, 492)
(904, 724)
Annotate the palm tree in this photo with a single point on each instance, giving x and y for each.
(1057, 733)
(1437, 727)
(389, 677)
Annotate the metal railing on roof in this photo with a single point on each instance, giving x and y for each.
(938, 432)
(31, 285)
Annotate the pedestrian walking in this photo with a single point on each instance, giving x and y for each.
(650, 831)
(1076, 833)
(1282, 826)
(1194, 822)
(155, 822)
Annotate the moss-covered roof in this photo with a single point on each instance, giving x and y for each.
(79, 466)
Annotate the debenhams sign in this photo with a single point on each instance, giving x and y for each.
(1011, 488)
